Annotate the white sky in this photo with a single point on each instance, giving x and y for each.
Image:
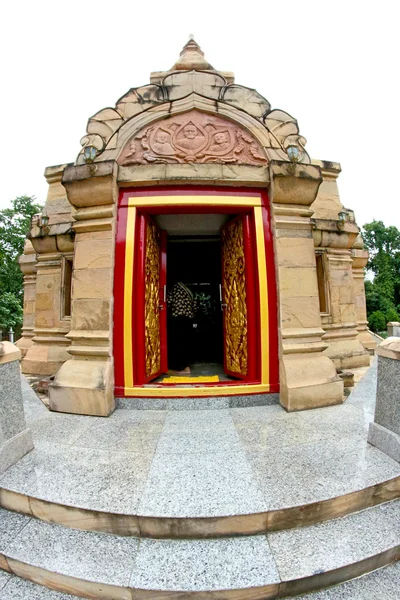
(334, 66)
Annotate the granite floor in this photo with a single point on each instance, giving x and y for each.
(201, 463)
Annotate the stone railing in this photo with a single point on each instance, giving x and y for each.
(384, 432)
(15, 438)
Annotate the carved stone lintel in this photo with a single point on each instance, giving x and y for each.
(193, 137)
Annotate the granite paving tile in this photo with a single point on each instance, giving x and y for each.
(364, 394)
(383, 584)
(204, 564)
(198, 432)
(59, 429)
(81, 554)
(197, 485)
(195, 419)
(4, 579)
(33, 407)
(96, 479)
(308, 550)
(289, 477)
(130, 431)
(21, 589)
(11, 524)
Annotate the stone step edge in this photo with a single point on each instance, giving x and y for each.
(100, 591)
(214, 402)
(200, 527)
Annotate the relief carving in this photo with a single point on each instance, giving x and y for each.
(193, 137)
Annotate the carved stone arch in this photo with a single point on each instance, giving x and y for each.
(257, 138)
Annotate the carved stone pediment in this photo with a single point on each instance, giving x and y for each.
(193, 137)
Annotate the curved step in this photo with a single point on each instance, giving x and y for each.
(281, 564)
(366, 587)
(200, 527)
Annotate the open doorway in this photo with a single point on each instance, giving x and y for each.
(194, 260)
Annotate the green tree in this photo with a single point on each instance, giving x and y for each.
(14, 226)
(383, 293)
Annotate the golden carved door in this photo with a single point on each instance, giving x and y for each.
(150, 306)
(239, 298)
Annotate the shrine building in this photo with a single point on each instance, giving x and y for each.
(193, 179)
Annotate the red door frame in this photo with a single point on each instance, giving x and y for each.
(125, 194)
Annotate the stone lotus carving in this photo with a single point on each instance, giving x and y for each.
(193, 137)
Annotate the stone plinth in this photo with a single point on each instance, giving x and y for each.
(393, 329)
(384, 432)
(15, 438)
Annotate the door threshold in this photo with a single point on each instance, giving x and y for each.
(193, 391)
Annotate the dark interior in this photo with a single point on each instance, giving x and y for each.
(196, 261)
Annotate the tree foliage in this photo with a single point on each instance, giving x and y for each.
(383, 293)
(14, 225)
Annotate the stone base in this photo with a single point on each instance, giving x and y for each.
(24, 344)
(41, 359)
(347, 353)
(83, 387)
(309, 381)
(12, 450)
(368, 341)
(387, 441)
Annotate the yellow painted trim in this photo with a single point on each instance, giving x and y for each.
(262, 278)
(143, 201)
(128, 291)
(194, 392)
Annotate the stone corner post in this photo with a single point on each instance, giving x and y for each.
(15, 438)
(384, 431)
(85, 383)
(308, 379)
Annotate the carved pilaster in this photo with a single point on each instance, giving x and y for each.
(49, 351)
(308, 379)
(27, 263)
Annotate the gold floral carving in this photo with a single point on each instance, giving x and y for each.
(234, 295)
(193, 137)
(152, 313)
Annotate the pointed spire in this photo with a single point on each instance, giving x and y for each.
(192, 58)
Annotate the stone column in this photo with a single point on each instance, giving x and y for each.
(384, 431)
(308, 379)
(360, 259)
(15, 438)
(27, 263)
(85, 383)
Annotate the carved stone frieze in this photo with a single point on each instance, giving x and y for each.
(193, 137)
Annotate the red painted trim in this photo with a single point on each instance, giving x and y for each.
(272, 296)
(186, 190)
(163, 301)
(125, 194)
(119, 277)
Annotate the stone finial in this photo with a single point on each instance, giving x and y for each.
(389, 348)
(192, 58)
